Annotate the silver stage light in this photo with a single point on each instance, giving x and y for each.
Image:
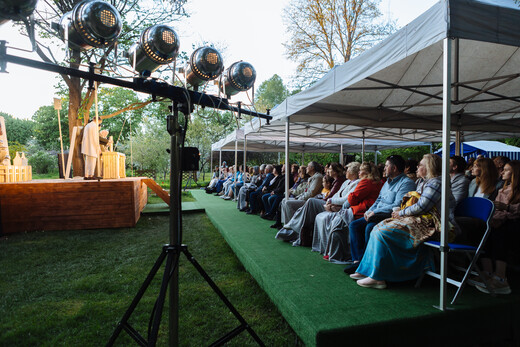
(91, 23)
(239, 77)
(16, 9)
(205, 64)
(158, 45)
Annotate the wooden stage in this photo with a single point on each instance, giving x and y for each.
(58, 204)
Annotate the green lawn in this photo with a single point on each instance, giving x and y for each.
(70, 288)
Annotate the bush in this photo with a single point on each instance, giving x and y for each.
(43, 162)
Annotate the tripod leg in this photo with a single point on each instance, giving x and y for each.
(171, 263)
(137, 298)
(229, 305)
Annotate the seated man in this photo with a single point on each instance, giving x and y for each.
(395, 187)
(257, 193)
(459, 181)
(289, 207)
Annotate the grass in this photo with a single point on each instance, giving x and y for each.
(71, 288)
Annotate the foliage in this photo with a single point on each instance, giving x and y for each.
(325, 33)
(43, 162)
(70, 288)
(17, 130)
(148, 147)
(112, 100)
(14, 147)
(206, 127)
(46, 130)
(270, 93)
(514, 141)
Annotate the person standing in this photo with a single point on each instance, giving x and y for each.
(90, 147)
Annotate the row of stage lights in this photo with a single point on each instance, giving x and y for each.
(97, 24)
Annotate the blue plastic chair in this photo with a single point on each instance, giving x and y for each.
(473, 207)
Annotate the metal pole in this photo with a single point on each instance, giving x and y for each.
(220, 159)
(363, 148)
(175, 209)
(287, 168)
(341, 154)
(245, 152)
(375, 156)
(211, 163)
(236, 162)
(303, 158)
(457, 143)
(446, 130)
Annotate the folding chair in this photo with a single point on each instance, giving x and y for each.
(473, 207)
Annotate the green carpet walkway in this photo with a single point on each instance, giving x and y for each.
(325, 307)
(163, 208)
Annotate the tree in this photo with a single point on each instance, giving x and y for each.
(46, 130)
(17, 130)
(149, 146)
(324, 33)
(136, 16)
(205, 128)
(270, 93)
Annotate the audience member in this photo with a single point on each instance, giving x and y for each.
(395, 251)
(459, 181)
(331, 228)
(289, 207)
(505, 225)
(390, 196)
(300, 227)
(254, 195)
(410, 169)
(486, 183)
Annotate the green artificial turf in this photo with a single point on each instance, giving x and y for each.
(71, 288)
(325, 307)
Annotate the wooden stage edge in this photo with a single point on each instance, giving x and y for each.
(58, 204)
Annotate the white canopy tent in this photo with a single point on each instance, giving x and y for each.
(456, 67)
(489, 149)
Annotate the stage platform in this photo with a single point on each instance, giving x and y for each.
(327, 308)
(58, 204)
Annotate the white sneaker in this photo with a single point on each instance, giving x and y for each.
(498, 285)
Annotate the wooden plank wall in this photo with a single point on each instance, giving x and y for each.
(71, 204)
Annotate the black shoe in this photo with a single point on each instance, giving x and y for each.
(351, 268)
(244, 209)
(251, 212)
(276, 226)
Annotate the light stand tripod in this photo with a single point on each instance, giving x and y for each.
(171, 253)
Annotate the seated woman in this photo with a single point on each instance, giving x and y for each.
(301, 183)
(486, 183)
(331, 228)
(395, 251)
(256, 180)
(227, 173)
(301, 226)
(238, 181)
(505, 225)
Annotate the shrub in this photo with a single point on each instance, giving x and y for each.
(43, 162)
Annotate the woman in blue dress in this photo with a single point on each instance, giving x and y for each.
(394, 251)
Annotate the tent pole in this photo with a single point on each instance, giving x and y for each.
(375, 156)
(431, 147)
(287, 168)
(220, 159)
(341, 154)
(245, 152)
(363, 148)
(446, 131)
(211, 163)
(457, 142)
(303, 158)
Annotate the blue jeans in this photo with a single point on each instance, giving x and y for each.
(271, 203)
(359, 231)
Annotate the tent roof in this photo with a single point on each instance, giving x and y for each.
(268, 143)
(394, 90)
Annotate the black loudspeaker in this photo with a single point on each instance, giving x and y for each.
(190, 159)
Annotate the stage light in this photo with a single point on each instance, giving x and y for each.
(91, 23)
(205, 64)
(239, 77)
(16, 9)
(158, 45)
